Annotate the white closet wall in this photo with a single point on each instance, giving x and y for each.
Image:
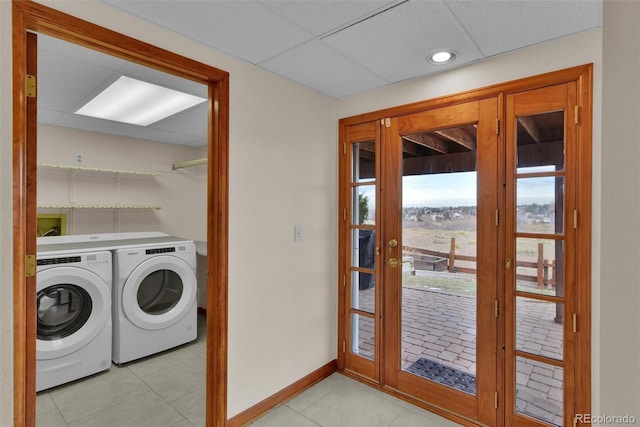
(144, 195)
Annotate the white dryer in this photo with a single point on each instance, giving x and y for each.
(73, 316)
(154, 298)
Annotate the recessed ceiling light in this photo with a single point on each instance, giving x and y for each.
(136, 102)
(443, 57)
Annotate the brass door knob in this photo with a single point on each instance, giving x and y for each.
(393, 243)
(393, 262)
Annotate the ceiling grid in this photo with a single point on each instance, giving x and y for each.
(336, 47)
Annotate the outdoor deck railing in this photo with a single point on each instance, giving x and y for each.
(545, 269)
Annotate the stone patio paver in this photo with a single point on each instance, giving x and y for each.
(440, 326)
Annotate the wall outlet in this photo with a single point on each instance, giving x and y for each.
(297, 232)
(79, 158)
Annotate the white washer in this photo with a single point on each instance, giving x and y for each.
(98, 237)
(73, 316)
(154, 298)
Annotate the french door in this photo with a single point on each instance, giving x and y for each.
(431, 187)
(540, 287)
(460, 264)
(440, 196)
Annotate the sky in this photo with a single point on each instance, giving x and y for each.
(439, 190)
(459, 189)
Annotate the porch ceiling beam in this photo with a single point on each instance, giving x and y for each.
(530, 126)
(411, 147)
(458, 136)
(428, 141)
(366, 149)
(365, 154)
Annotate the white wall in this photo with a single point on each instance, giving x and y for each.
(619, 352)
(283, 294)
(6, 223)
(181, 194)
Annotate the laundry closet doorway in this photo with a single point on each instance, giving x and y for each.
(463, 287)
(29, 19)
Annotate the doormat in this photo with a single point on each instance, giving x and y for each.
(445, 375)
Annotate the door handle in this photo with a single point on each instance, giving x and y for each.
(393, 262)
(393, 243)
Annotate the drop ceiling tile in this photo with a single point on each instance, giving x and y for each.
(192, 122)
(63, 83)
(319, 17)
(97, 125)
(322, 68)
(499, 26)
(246, 29)
(79, 53)
(396, 43)
(49, 117)
(198, 143)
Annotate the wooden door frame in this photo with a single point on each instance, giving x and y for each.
(583, 76)
(29, 16)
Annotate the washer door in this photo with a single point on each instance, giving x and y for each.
(159, 292)
(73, 306)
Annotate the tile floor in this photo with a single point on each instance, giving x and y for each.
(167, 390)
(338, 401)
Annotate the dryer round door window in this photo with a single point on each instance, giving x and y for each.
(73, 306)
(159, 292)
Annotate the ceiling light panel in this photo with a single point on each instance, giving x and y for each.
(394, 44)
(246, 29)
(136, 102)
(499, 26)
(147, 74)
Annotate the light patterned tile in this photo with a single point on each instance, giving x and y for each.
(315, 393)
(145, 410)
(50, 418)
(192, 407)
(351, 405)
(283, 416)
(44, 403)
(163, 361)
(420, 418)
(90, 395)
(177, 381)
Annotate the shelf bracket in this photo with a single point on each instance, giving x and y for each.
(189, 163)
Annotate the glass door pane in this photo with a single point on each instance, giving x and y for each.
(361, 231)
(539, 240)
(439, 257)
(439, 236)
